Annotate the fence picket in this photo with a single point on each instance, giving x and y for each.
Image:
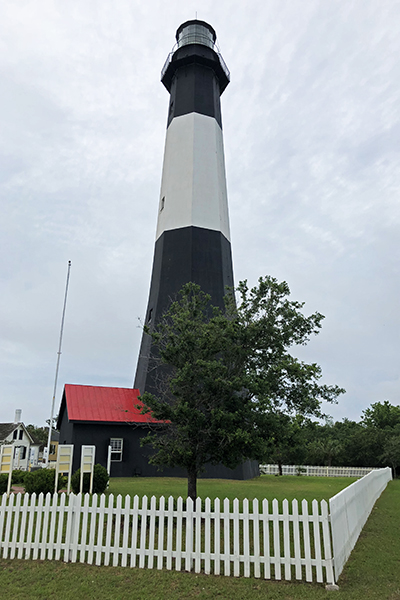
(327, 542)
(217, 537)
(38, 526)
(306, 539)
(60, 527)
(117, 531)
(207, 536)
(236, 543)
(52, 526)
(286, 540)
(83, 535)
(135, 526)
(246, 538)
(8, 518)
(267, 552)
(296, 538)
(109, 519)
(31, 520)
(143, 528)
(92, 529)
(125, 532)
(179, 525)
(100, 531)
(227, 542)
(317, 540)
(75, 527)
(152, 512)
(46, 515)
(256, 538)
(277, 541)
(161, 526)
(170, 531)
(197, 536)
(17, 513)
(22, 530)
(189, 535)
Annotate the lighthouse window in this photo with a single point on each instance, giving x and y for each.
(150, 315)
(162, 203)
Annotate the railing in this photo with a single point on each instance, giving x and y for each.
(310, 470)
(221, 60)
(250, 539)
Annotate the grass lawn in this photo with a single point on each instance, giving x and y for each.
(373, 571)
(266, 486)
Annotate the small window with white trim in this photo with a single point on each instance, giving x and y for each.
(116, 449)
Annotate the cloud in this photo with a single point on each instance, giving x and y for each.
(311, 134)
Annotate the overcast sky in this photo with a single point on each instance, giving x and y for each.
(311, 132)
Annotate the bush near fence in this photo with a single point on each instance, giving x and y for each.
(311, 470)
(250, 539)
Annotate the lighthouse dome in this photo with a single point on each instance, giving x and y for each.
(196, 32)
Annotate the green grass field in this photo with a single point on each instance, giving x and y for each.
(372, 571)
(266, 486)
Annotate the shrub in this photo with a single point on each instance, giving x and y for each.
(3, 483)
(100, 480)
(42, 481)
(18, 477)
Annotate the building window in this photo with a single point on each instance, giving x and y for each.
(22, 453)
(21, 434)
(15, 434)
(116, 449)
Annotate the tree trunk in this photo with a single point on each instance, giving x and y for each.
(192, 484)
(280, 467)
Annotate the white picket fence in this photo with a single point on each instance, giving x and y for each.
(349, 511)
(316, 471)
(249, 539)
(267, 539)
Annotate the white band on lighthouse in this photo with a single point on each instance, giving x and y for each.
(193, 187)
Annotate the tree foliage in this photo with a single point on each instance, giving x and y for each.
(223, 374)
(39, 434)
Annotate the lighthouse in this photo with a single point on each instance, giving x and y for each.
(192, 236)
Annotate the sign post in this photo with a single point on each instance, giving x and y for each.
(64, 463)
(87, 465)
(6, 461)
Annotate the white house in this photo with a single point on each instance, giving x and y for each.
(26, 450)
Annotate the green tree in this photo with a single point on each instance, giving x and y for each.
(323, 451)
(381, 415)
(224, 373)
(39, 434)
(391, 451)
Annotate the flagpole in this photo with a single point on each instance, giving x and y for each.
(58, 364)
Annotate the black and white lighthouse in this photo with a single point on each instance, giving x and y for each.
(192, 239)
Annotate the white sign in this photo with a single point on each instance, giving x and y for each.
(87, 465)
(6, 460)
(64, 463)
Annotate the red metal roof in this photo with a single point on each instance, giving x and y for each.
(105, 404)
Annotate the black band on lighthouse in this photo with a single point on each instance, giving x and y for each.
(195, 88)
